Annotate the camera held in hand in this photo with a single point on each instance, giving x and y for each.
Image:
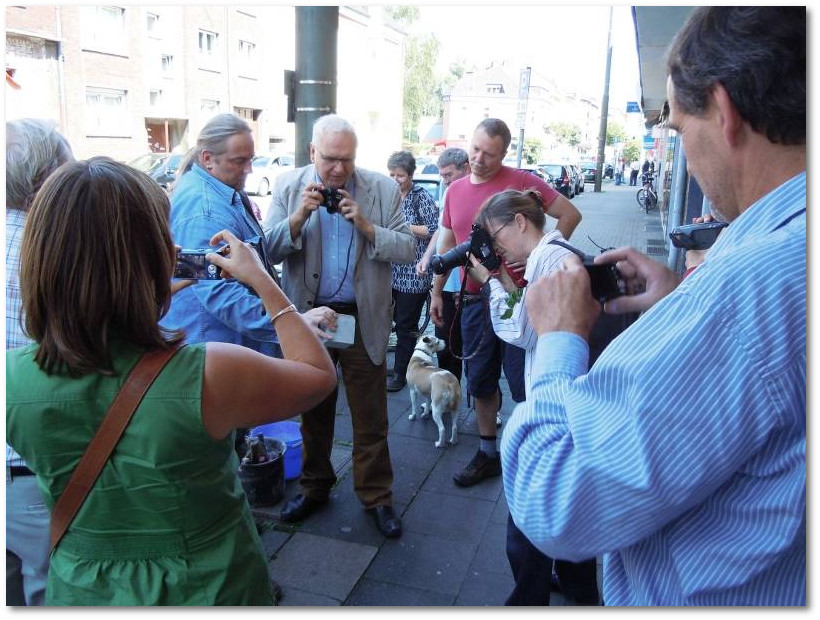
(192, 265)
(331, 199)
(605, 280)
(480, 245)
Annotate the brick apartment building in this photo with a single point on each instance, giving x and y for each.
(125, 80)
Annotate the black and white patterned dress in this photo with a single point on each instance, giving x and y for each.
(420, 210)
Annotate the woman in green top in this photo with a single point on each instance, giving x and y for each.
(167, 522)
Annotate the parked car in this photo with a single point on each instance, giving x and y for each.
(589, 168)
(162, 167)
(562, 178)
(432, 183)
(578, 177)
(265, 168)
(426, 165)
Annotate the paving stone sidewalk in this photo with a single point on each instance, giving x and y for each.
(452, 550)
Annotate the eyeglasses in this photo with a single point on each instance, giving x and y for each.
(500, 228)
(345, 161)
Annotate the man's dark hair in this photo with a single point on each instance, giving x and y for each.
(403, 160)
(495, 127)
(758, 54)
(453, 156)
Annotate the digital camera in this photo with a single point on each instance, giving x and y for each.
(480, 245)
(604, 280)
(192, 265)
(331, 199)
(696, 236)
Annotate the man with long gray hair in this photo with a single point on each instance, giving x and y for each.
(337, 249)
(34, 149)
(209, 196)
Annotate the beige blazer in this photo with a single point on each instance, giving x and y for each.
(380, 201)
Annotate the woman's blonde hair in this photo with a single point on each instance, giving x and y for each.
(96, 264)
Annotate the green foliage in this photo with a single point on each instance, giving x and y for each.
(615, 133)
(512, 299)
(421, 97)
(402, 15)
(565, 133)
(532, 150)
(632, 151)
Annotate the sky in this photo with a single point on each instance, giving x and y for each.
(566, 43)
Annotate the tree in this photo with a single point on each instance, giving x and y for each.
(532, 150)
(615, 133)
(632, 151)
(402, 15)
(422, 90)
(420, 95)
(565, 133)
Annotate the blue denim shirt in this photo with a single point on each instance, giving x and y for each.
(223, 310)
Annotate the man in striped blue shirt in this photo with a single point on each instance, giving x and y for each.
(681, 454)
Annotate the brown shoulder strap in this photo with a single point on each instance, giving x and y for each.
(119, 414)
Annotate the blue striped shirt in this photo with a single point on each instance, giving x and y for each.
(339, 248)
(681, 455)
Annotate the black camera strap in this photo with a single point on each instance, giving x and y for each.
(484, 334)
(567, 246)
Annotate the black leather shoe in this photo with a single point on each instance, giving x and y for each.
(299, 508)
(481, 467)
(396, 383)
(386, 521)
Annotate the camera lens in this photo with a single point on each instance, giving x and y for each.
(456, 257)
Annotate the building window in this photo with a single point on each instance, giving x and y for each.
(167, 63)
(155, 98)
(247, 51)
(247, 58)
(106, 112)
(208, 108)
(207, 43)
(152, 24)
(103, 28)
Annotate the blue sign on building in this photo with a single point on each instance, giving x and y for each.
(648, 142)
(632, 106)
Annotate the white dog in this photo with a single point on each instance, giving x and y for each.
(426, 379)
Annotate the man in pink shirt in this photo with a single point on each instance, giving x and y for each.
(464, 197)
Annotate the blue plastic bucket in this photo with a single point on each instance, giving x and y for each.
(289, 433)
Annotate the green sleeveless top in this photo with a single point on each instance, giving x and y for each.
(167, 522)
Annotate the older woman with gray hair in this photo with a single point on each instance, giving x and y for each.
(409, 288)
(34, 149)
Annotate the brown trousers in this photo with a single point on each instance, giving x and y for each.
(366, 388)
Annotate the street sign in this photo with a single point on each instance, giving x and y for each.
(523, 96)
(648, 142)
(632, 106)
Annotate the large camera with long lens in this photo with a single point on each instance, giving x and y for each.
(480, 245)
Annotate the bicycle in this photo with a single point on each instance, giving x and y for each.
(647, 198)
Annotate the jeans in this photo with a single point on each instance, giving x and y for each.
(27, 542)
(532, 571)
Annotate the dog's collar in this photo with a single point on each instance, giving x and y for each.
(427, 353)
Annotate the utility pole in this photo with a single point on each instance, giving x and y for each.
(599, 164)
(312, 87)
(521, 115)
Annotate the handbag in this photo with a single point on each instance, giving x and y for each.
(102, 445)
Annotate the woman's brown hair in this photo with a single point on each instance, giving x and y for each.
(502, 207)
(96, 263)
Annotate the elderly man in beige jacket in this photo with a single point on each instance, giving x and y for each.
(336, 229)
